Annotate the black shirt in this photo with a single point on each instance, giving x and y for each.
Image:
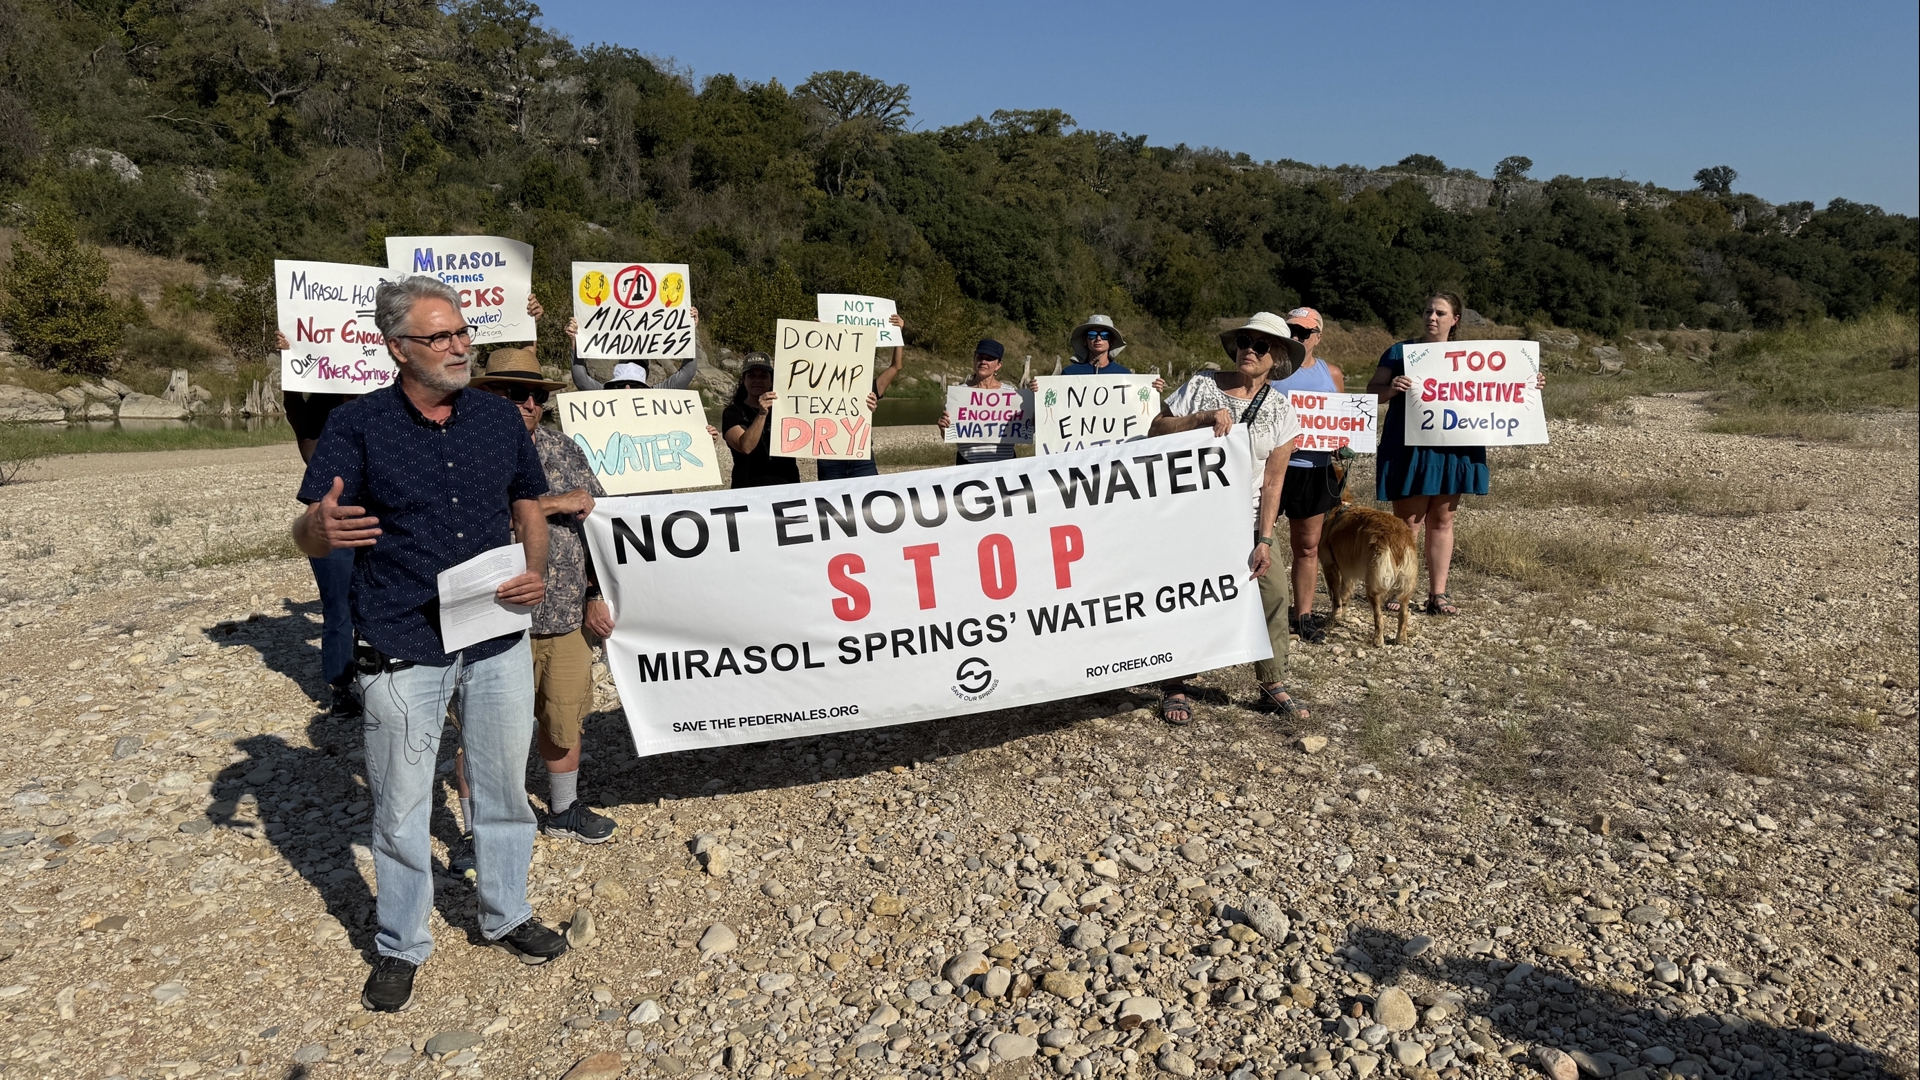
(759, 468)
(443, 493)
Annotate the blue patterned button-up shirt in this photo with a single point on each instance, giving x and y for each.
(443, 493)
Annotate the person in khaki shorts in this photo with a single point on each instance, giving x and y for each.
(562, 658)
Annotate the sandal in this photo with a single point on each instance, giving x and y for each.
(1308, 628)
(1441, 604)
(1391, 607)
(1176, 704)
(1275, 699)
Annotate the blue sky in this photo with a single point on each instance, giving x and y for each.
(1805, 101)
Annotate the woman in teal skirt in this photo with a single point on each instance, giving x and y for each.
(1425, 483)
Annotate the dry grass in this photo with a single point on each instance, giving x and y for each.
(1783, 423)
(1698, 496)
(1544, 561)
(131, 272)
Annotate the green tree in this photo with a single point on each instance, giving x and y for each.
(1512, 168)
(1716, 180)
(846, 96)
(1422, 164)
(56, 304)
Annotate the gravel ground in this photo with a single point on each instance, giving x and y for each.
(1657, 822)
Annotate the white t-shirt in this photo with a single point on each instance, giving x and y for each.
(1274, 425)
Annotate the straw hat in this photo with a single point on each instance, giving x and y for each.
(515, 366)
(1078, 340)
(1266, 322)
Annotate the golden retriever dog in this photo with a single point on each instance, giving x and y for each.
(1371, 546)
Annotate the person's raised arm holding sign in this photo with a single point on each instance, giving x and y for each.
(1425, 483)
(744, 426)
(1244, 396)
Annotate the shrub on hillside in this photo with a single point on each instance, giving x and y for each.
(56, 304)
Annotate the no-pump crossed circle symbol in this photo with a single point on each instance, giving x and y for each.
(634, 287)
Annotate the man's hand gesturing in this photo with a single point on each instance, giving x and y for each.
(327, 523)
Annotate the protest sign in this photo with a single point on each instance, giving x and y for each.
(1074, 412)
(642, 440)
(326, 312)
(1331, 421)
(633, 311)
(843, 309)
(823, 376)
(1474, 393)
(890, 599)
(1003, 416)
(492, 274)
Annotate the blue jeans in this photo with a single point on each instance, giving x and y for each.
(334, 576)
(406, 711)
(834, 469)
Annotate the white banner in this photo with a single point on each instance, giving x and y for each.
(1331, 421)
(326, 312)
(892, 599)
(873, 312)
(1003, 416)
(1074, 412)
(493, 275)
(633, 311)
(823, 376)
(1474, 393)
(642, 440)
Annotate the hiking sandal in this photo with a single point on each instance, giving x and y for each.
(1310, 629)
(1441, 604)
(1176, 704)
(1275, 699)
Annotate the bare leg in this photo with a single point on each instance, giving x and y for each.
(1440, 539)
(1303, 535)
(559, 759)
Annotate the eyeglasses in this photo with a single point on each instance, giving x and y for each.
(1100, 335)
(518, 394)
(1301, 333)
(442, 341)
(1261, 346)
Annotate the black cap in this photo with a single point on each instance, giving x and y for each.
(989, 347)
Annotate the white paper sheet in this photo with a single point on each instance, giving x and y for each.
(469, 613)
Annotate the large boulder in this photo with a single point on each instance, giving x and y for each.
(137, 406)
(20, 405)
(117, 387)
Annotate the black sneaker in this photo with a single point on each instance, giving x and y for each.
(577, 822)
(532, 943)
(460, 859)
(389, 986)
(1309, 628)
(346, 703)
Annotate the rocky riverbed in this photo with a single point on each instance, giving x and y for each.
(1654, 822)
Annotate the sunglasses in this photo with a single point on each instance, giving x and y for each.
(1260, 346)
(1100, 335)
(983, 358)
(1301, 333)
(518, 394)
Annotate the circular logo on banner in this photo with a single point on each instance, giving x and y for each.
(973, 678)
(593, 288)
(634, 287)
(673, 289)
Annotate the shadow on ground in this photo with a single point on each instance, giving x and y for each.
(1548, 1002)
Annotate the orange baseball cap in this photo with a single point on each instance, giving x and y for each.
(1307, 317)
